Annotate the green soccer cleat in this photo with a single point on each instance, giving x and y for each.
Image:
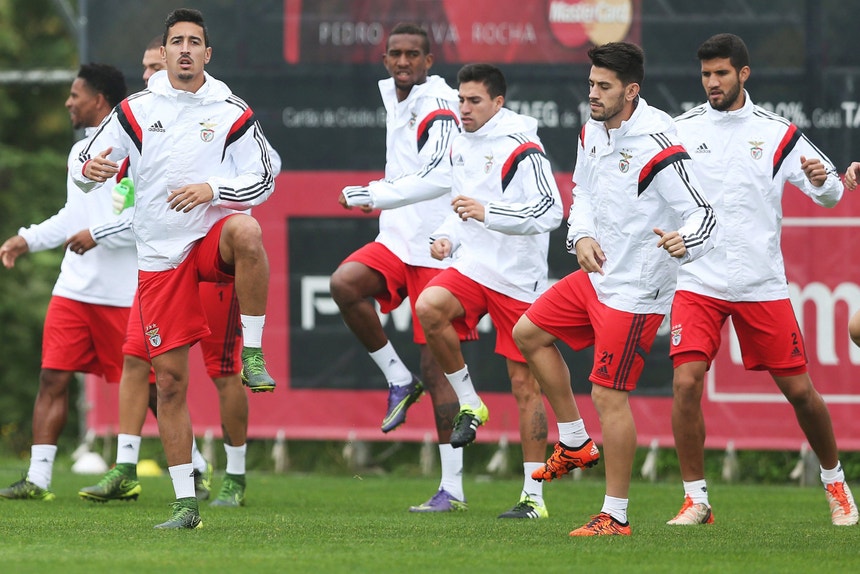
(120, 483)
(26, 490)
(232, 493)
(466, 424)
(203, 483)
(185, 515)
(254, 374)
(526, 508)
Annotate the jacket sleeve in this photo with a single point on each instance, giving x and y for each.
(678, 186)
(251, 155)
(48, 234)
(110, 134)
(434, 136)
(116, 234)
(580, 220)
(448, 229)
(541, 210)
(829, 194)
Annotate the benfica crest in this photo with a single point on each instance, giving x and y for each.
(755, 150)
(676, 336)
(624, 164)
(413, 120)
(488, 165)
(207, 134)
(153, 336)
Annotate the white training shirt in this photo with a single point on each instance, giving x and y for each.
(107, 273)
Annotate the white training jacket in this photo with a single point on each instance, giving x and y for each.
(629, 180)
(503, 166)
(107, 273)
(175, 138)
(743, 159)
(414, 196)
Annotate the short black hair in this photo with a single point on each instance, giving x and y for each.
(105, 80)
(412, 30)
(185, 15)
(487, 74)
(625, 59)
(725, 46)
(155, 43)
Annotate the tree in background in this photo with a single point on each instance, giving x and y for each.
(35, 135)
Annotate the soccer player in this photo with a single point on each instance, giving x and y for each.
(221, 354)
(197, 154)
(744, 156)
(413, 197)
(90, 303)
(505, 204)
(632, 180)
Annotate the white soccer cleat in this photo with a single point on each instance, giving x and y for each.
(843, 510)
(698, 513)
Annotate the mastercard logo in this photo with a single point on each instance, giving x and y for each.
(575, 22)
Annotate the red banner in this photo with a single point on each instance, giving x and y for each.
(500, 31)
(319, 395)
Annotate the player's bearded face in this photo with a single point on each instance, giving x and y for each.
(606, 95)
(722, 83)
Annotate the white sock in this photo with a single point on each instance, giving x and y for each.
(127, 449)
(462, 383)
(833, 475)
(197, 460)
(697, 490)
(235, 458)
(452, 470)
(42, 464)
(252, 330)
(182, 476)
(392, 367)
(532, 488)
(572, 433)
(616, 508)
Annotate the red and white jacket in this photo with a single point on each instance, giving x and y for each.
(413, 196)
(503, 166)
(175, 138)
(743, 159)
(629, 180)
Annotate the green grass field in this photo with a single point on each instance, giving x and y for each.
(315, 523)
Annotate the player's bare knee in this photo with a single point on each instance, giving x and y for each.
(244, 235)
(429, 312)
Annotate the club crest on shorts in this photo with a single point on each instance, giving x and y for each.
(755, 150)
(151, 332)
(676, 335)
(207, 134)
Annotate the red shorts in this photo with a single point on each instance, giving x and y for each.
(570, 311)
(84, 337)
(478, 301)
(401, 281)
(222, 349)
(170, 308)
(768, 332)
